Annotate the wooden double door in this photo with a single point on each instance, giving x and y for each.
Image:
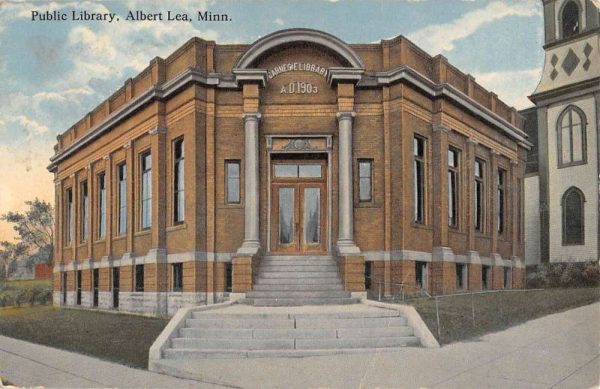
(299, 206)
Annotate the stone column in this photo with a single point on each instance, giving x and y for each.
(469, 198)
(108, 185)
(345, 243)
(251, 243)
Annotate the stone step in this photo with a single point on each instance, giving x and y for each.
(286, 302)
(298, 281)
(240, 316)
(297, 262)
(398, 341)
(298, 268)
(298, 294)
(239, 324)
(298, 274)
(298, 258)
(379, 332)
(224, 333)
(170, 354)
(297, 287)
(373, 322)
(234, 344)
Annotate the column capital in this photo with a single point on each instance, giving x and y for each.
(440, 127)
(472, 141)
(514, 162)
(159, 129)
(251, 116)
(347, 115)
(128, 144)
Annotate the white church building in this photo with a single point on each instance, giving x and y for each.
(562, 181)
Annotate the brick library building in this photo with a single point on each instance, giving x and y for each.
(299, 169)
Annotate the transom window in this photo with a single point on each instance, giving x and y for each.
(573, 202)
(570, 19)
(310, 170)
(571, 137)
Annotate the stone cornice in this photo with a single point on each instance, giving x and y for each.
(217, 80)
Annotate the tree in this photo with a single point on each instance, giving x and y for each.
(35, 227)
(9, 254)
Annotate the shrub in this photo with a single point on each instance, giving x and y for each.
(591, 274)
(565, 275)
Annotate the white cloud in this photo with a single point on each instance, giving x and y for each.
(441, 38)
(512, 87)
(33, 127)
(279, 22)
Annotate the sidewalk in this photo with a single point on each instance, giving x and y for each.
(560, 350)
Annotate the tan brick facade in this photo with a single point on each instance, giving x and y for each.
(312, 98)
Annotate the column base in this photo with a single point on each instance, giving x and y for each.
(249, 247)
(347, 247)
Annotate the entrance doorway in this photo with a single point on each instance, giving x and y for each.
(298, 205)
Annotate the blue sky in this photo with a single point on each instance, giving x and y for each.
(53, 73)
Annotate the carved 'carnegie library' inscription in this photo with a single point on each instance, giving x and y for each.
(298, 87)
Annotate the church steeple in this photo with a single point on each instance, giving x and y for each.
(565, 19)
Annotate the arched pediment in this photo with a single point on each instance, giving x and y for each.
(299, 35)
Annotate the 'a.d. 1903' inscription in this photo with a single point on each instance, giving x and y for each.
(299, 87)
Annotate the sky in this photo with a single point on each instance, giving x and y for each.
(52, 73)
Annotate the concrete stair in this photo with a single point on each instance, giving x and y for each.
(242, 335)
(298, 280)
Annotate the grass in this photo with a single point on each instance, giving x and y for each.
(28, 283)
(497, 311)
(120, 338)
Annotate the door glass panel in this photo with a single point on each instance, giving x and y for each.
(284, 170)
(312, 215)
(311, 171)
(286, 215)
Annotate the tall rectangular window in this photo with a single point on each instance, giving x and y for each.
(453, 166)
(501, 188)
(479, 196)
(507, 274)
(421, 274)
(84, 211)
(139, 278)
(419, 179)
(461, 276)
(177, 277)
(101, 206)
(122, 188)
(232, 174)
(178, 182)
(146, 190)
(486, 276)
(69, 215)
(365, 180)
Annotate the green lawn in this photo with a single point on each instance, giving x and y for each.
(119, 338)
(28, 283)
(497, 311)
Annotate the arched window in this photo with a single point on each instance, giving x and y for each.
(570, 19)
(571, 137)
(573, 202)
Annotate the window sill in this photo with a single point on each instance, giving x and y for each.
(100, 241)
(143, 232)
(421, 226)
(366, 204)
(456, 231)
(231, 206)
(119, 237)
(177, 227)
(571, 164)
